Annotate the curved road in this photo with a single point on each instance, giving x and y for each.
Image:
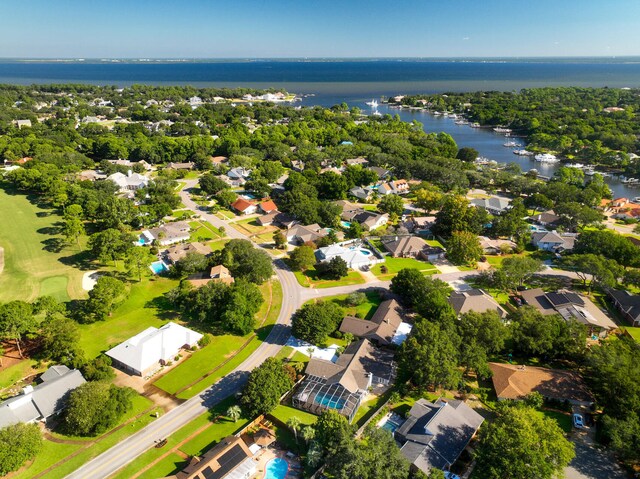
(294, 295)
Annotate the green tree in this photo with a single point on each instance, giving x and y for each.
(20, 443)
(98, 369)
(294, 423)
(391, 204)
(315, 321)
(266, 384)
(464, 248)
(72, 229)
(95, 407)
(302, 258)
(429, 357)
(481, 334)
(516, 270)
(467, 154)
(594, 269)
(456, 215)
(245, 261)
(234, 412)
(336, 268)
(16, 320)
(428, 198)
(521, 444)
(280, 240)
(110, 244)
(211, 184)
(138, 260)
(103, 298)
(60, 337)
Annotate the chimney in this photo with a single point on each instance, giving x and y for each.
(27, 390)
(129, 172)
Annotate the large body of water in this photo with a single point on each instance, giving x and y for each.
(356, 82)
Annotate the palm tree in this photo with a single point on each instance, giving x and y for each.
(294, 423)
(234, 413)
(308, 433)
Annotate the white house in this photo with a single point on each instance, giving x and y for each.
(167, 234)
(151, 349)
(554, 241)
(130, 181)
(355, 257)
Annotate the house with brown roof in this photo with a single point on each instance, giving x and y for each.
(230, 458)
(244, 207)
(217, 274)
(474, 300)
(397, 187)
(176, 252)
(571, 306)
(384, 328)
(547, 218)
(342, 385)
(512, 381)
(181, 166)
(411, 247)
(495, 246)
(299, 234)
(268, 207)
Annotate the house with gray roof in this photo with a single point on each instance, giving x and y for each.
(360, 193)
(628, 304)
(554, 241)
(435, 433)
(300, 234)
(385, 327)
(494, 205)
(41, 401)
(370, 220)
(571, 306)
(474, 300)
(342, 385)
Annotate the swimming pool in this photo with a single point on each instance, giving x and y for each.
(276, 468)
(330, 403)
(365, 252)
(158, 267)
(345, 224)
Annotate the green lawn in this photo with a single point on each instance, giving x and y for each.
(174, 381)
(141, 310)
(284, 352)
(13, 374)
(225, 214)
(284, 413)
(251, 226)
(218, 245)
(168, 466)
(634, 332)
(364, 310)
(394, 265)
(29, 269)
(563, 420)
(54, 452)
(311, 279)
(203, 231)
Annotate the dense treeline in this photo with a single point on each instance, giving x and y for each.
(589, 124)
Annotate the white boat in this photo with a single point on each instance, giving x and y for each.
(376, 113)
(546, 158)
(511, 144)
(373, 103)
(575, 165)
(475, 125)
(522, 153)
(589, 171)
(436, 113)
(453, 116)
(461, 122)
(500, 129)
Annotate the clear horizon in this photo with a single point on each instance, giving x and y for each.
(329, 29)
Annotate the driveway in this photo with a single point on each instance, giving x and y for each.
(592, 463)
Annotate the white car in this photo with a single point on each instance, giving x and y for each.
(578, 421)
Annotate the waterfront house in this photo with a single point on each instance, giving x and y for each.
(512, 381)
(475, 300)
(342, 385)
(571, 306)
(435, 433)
(36, 403)
(148, 351)
(384, 328)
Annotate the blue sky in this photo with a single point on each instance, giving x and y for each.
(317, 28)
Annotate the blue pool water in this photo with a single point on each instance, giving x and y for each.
(390, 425)
(276, 469)
(141, 240)
(345, 224)
(330, 403)
(365, 252)
(158, 267)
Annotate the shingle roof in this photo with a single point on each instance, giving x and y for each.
(629, 303)
(382, 326)
(404, 245)
(437, 433)
(474, 300)
(512, 381)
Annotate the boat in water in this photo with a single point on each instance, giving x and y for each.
(500, 129)
(546, 158)
(522, 152)
(461, 122)
(475, 125)
(511, 144)
(372, 103)
(574, 165)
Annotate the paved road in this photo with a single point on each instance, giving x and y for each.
(294, 296)
(130, 448)
(592, 462)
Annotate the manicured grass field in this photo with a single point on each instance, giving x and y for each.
(29, 269)
(563, 420)
(394, 265)
(203, 231)
(168, 466)
(225, 214)
(211, 357)
(311, 279)
(217, 245)
(143, 308)
(13, 374)
(364, 310)
(251, 226)
(55, 452)
(284, 413)
(634, 332)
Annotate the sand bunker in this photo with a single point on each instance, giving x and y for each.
(89, 280)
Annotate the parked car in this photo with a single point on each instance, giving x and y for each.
(450, 475)
(578, 421)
